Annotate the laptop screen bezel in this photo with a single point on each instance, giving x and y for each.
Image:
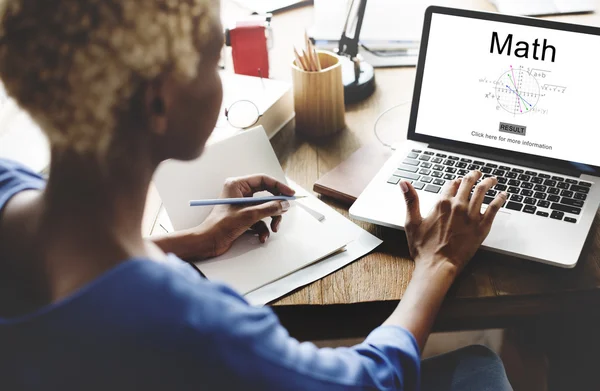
(478, 149)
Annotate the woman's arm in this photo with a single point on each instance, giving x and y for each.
(442, 244)
(190, 244)
(421, 302)
(258, 353)
(251, 350)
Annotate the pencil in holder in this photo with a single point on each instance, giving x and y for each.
(319, 97)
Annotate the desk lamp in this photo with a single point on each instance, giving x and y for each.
(357, 75)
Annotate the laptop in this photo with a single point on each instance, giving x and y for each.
(516, 98)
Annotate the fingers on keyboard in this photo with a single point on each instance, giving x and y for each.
(529, 191)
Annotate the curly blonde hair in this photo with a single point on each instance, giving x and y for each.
(75, 65)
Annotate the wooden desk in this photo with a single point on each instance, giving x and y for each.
(494, 290)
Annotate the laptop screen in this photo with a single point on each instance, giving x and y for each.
(520, 88)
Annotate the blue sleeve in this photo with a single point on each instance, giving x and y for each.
(260, 354)
(14, 178)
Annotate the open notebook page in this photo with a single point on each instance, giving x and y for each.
(301, 241)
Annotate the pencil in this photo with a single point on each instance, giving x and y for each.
(242, 200)
(309, 52)
(308, 61)
(299, 58)
(317, 60)
(299, 63)
(313, 52)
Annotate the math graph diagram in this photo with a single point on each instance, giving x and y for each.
(517, 91)
(521, 91)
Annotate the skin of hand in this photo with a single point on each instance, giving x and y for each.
(456, 227)
(226, 223)
(441, 245)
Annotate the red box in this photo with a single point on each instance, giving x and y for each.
(249, 50)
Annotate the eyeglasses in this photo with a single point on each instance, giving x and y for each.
(242, 114)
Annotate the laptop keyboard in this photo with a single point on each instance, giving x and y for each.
(544, 195)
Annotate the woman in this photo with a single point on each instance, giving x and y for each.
(87, 303)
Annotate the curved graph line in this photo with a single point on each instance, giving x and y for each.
(526, 84)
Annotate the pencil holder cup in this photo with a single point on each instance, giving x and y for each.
(319, 97)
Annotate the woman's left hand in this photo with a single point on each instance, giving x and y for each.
(228, 222)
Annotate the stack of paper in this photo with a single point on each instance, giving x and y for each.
(261, 271)
(273, 98)
(384, 21)
(361, 244)
(249, 265)
(390, 33)
(544, 7)
(271, 6)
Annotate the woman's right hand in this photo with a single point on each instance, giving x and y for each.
(455, 228)
(441, 245)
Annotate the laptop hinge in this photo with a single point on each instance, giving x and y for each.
(565, 170)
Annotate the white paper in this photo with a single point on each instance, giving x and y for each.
(362, 244)
(301, 240)
(248, 265)
(544, 7)
(570, 6)
(266, 6)
(178, 182)
(385, 20)
(264, 93)
(260, 91)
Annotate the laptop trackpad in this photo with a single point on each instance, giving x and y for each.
(500, 232)
(501, 220)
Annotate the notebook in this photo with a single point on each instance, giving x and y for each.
(362, 244)
(345, 182)
(248, 265)
(273, 98)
